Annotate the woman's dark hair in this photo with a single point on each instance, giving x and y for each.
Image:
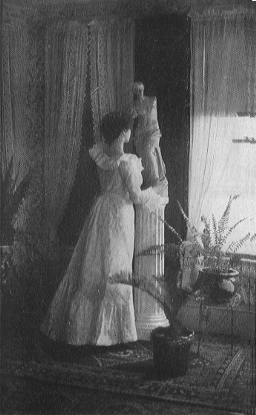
(113, 124)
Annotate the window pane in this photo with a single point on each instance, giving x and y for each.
(239, 177)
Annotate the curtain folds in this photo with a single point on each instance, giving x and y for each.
(23, 121)
(111, 67)
(66, 60)
(14, 87)
(223, 79)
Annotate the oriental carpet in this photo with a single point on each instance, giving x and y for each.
(115, 378)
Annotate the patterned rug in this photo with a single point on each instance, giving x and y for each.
(215, 381)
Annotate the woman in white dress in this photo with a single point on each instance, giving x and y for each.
(87, 308)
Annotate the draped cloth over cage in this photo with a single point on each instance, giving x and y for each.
(87, 307)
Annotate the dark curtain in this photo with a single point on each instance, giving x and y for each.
(109, 87)
(162, 63)
(86, 184)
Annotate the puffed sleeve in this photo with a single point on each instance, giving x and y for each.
(131, 175)
(101, 159)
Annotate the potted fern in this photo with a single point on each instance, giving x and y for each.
(217, 277)
(202, 254)
(171, 345)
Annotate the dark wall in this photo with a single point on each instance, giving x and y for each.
(162, 63)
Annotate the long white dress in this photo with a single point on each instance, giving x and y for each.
(87, 308)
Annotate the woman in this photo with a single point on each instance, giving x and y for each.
(87, 307)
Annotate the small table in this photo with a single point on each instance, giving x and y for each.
(205, 305)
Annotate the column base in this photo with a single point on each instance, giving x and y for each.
(151, 317)
(144, 329)
(149, 232)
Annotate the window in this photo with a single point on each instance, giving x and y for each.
(238, 177)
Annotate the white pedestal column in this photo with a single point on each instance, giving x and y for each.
(149, 231)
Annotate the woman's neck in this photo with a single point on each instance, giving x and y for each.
(140, 98)
(115, 150)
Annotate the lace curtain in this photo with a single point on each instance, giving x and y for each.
(112, 67)
(22, 122)
(14, 84)
(65, 82)
(16, 143)
(223, 81)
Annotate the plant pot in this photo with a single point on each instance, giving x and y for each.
(171, 351)
(219, 286)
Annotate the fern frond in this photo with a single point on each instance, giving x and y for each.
(194, 247)
(206, 223)
(231, 246)
(170, 228)
(215, 230)
(230, 230)
(152, 250)
(207, 234)
(160, 280)
(225, 216)
(145, 284)
(238, 244)
(170, 250)
(193, 231)
(253, 238)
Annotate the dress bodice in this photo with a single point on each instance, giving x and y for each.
(122, 176)
(113, 170)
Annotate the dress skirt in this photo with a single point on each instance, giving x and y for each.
(87, 308)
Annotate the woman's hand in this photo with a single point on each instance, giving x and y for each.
(161, 187)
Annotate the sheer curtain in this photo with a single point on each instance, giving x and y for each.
(14, 88)
(222, 84)
(65, 81)
(15, 140)
(112, 67)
